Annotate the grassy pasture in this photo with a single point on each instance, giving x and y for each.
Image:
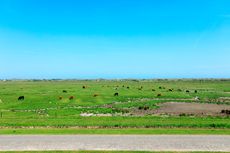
(45, 94)
(12, 119)
(130, 131)
(39, 94)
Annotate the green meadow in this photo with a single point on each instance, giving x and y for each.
(45, 94)
(42, 107)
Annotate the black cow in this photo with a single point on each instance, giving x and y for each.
(116, 94)
(82, 87)
(21, 98)
(195, 91)
(123, 86)
(141, 87)
(65, 91)
(159, 87)
(187, 91)
(170, 89)
(127, 87)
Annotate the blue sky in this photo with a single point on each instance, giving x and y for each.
(114, 39)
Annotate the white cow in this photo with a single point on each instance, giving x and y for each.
(0, 101)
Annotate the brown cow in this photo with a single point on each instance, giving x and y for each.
(159, 95)
(95, 95)
(139, 88)
(0, 101)
(116, 88)
(179, 89)
(163, 87)
(103, 86)
(87, 86)
(71, 97)
(153, 89)
(60, 97)
(21, 88)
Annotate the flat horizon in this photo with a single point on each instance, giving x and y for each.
(113, 79)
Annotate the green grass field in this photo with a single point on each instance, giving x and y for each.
(39, 94)
(45, 94)
(129, 131)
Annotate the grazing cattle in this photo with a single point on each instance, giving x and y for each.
(60, 97)
(159, 87)
(163, 87)
(116, 94)
(187, 91)
(95, 95)
(0, 101)
(83, 87)
(195, 91)
(116, 88)
(159, 95)
(123, 86)
(88, 87)
(65, 91)
(21, 88)
(71, 97)
(153, 89)
(21, 98)
(103, 86)
(107, 86)
(139, 88)
(179, 89)
(127, 87)
(170, 89)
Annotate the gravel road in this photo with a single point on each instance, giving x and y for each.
(115, 142)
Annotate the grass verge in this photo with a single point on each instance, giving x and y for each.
(119, 121)
(131, 131)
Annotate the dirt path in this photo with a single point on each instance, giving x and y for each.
(179, 108)
(146, 99)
